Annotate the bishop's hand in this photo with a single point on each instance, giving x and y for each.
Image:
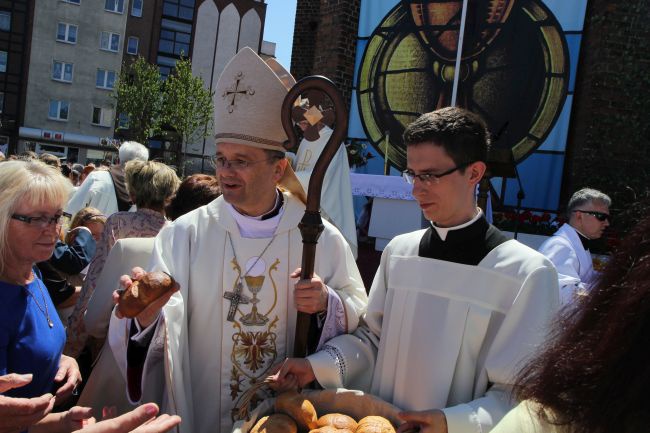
(426, 421)
(150, 314)
(310, 295)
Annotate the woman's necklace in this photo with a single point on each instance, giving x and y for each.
(43, 309)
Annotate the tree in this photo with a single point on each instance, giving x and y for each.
(138, 92)
(188, 108)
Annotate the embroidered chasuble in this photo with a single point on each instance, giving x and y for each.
(449, 323)
(336, 196)
(210, 361)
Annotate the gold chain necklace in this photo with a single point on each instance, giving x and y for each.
(45, 310)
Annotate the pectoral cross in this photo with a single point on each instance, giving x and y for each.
(236, 297)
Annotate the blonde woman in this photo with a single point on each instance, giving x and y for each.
(31, 335)
(150, 185)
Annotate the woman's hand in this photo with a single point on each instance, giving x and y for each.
(17, 414)
(68, 376)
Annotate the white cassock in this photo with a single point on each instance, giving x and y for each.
(573, 263)
(446, 335)
(207, 361)
(336, 195)
(97, 191)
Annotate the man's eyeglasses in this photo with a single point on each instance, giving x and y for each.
(429, 178)
(600, 216)
(236, 164)
(41, 222)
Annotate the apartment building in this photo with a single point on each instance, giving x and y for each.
(67, 54)
(14, 39)
(75, 57)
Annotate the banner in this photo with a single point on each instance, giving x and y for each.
(515, 65)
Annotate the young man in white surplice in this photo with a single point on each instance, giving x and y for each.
(235, 260)
(453, 308)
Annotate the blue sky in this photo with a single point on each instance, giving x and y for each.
(278, 28)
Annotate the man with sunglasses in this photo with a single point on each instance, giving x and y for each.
(454, 308)
(568, 248)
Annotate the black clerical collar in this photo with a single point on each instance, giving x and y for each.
(279, 201)
(467, 245)
(584, 240)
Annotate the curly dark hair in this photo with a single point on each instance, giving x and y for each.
(195, 191)
(462, 134)
(594, 375)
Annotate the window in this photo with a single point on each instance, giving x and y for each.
(179, 9)
(109, 41)
(62, 71)
(136, 8)
(175, 38)
(123, 121)
(66, 33)
(105, 79)
(102, 116)
(132, 46)
(116, 6)
(3, 61)
(5, 20)
(76, 2)
(58, 109)
(2, 101)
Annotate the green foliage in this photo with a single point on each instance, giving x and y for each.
(138, 92)
(187, 107)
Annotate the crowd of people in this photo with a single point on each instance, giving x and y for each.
(463, 328)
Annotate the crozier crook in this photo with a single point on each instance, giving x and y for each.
(313, 88)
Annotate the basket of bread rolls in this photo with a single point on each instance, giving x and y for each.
(328, 411)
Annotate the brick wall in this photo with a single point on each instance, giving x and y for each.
(609, 139)
(325, 41)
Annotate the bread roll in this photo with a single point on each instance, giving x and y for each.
(143, 292)
(374, 424)
(299, 408)
(337, 420)
(276, 423)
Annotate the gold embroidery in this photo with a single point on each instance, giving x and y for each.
(306, 161)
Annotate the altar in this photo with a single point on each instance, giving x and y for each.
(394, 210)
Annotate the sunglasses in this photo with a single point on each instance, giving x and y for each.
(600, 216)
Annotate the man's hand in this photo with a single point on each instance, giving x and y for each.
(294, 372)
(68, 376)
(310, 296)
(140, 420)
(427, 421)
(151, 313)
(17, 414)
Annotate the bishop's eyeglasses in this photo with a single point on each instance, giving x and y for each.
(40, 222)
(429, 178)
(236, 164)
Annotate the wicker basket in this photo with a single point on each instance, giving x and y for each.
(352, 403)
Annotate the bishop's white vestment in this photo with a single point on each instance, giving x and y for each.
(208, 362)
(439, 334)
(573, 263)
(336, 195)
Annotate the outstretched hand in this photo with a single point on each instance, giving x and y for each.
(151, 313)
(140, 420)
(292, 373)
(17, 414)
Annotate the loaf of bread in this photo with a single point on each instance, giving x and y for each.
(143, 292)
(299, 408)
(337, 420)
(276, 423)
